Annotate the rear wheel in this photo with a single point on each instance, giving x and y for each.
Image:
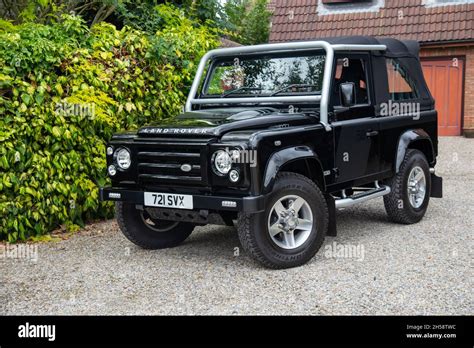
(292, 228)
(410, 189)
(141, 229)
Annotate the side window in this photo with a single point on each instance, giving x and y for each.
(400, 86)
(352, 70)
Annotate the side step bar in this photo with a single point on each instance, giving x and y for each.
(376, 192)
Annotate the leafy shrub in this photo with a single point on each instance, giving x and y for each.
(64, 90)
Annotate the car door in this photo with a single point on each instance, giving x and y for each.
(356, 129)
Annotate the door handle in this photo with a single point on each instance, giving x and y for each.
(372, 133)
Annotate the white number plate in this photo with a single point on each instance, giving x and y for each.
(168, 200)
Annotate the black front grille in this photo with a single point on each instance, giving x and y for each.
(163, 164)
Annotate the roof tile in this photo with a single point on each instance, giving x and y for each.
(399, 18)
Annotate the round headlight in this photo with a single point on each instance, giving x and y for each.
(110, 151)
(234, 175)
(123, 159)
(222, 162)
(112, 170)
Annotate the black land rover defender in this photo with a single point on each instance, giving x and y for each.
(274, 139)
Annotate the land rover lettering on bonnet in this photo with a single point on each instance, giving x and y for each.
(274, 139)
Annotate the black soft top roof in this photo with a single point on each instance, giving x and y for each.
(395, 48)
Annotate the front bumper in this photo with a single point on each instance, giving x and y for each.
(250, 204)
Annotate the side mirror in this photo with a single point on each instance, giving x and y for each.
(347, 93)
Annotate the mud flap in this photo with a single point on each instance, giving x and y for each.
(436, 186)
(332, 227)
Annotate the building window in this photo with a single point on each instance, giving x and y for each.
(433, 3)
(326, 7)
(327, 2)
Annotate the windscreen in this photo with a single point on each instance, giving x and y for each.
(266, 76)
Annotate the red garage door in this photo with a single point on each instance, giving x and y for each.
(445, 81)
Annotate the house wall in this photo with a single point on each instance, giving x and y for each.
(467, 52)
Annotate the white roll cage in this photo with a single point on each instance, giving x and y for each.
(323, 99)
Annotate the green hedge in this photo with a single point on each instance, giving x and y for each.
(64, 90)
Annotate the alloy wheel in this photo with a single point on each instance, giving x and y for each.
(290, 222)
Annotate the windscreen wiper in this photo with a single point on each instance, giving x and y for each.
(244, 88)
(295, 85)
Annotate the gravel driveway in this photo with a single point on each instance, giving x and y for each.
(425, 268)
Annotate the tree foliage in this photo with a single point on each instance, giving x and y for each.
(248, 21)
(44, 11)
(64, 90)
(245, 21)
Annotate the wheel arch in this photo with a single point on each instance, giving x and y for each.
(414, 139)
(298, 159)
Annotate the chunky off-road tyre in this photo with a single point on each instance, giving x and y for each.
(410, 189)
(148, 233)
(292, 228)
